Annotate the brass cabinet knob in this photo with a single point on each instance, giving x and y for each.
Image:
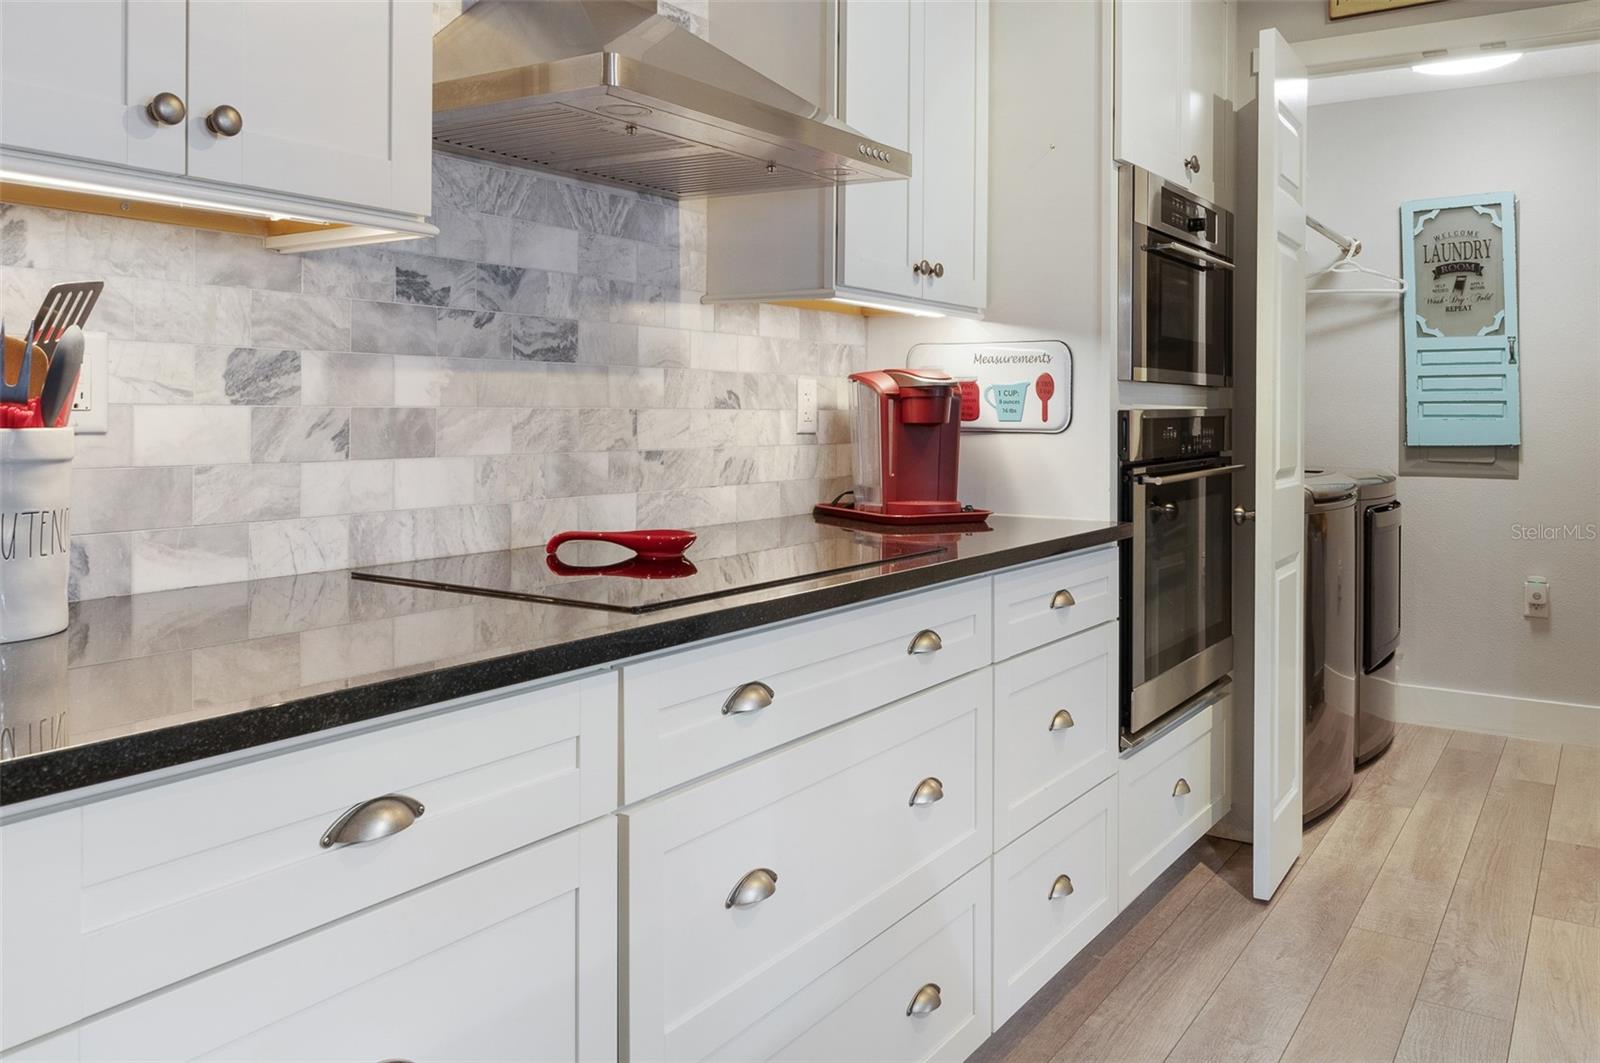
(925, 1001)
(1062, 720)
(225, 121)
(166, 108)
(755, 887)
(923, 268)
(374, 819)
(748, 698)
(1061, 887)
(927, 792)
(1192, 164)
(938, 269)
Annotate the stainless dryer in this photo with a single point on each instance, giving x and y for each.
(1331, 661)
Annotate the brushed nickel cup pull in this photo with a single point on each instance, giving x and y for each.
(374, 819)
(926, 1001)
(1062, 598)
(748, 698)
(1240, 514)
(225, 121)
(1180, 787)
(1062, 720)
(926, 641)
(166, 108)
(755, 887)
(927, 792)
(1061, 887)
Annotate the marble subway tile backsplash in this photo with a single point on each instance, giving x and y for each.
(545, 362)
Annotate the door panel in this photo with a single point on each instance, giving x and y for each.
(78, 74)
(953, 162)
(880, 233)
(314, 83)
(1279, 584)
(1151, 84)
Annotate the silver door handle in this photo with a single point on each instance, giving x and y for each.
(1180, 787)
(1182, 477)
(1061, 887)
(1240, 514)
(748, 698)
(926, 641)
(755, 887)
(1061, 720)
(1189, 252)
(1062, 598)
(374, 819)
(925, 1001)
(927, 792)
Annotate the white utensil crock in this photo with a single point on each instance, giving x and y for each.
(35, 531)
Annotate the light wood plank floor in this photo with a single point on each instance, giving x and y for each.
(1448, 910)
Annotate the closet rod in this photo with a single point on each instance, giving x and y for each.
(1348, 244)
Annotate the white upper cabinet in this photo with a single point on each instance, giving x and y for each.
(76, 76)
(326, 93)
(912, 74)
(280, 106)
(1171, 89)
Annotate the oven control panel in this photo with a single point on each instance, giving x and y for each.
(1187, 215)
(1167, 435)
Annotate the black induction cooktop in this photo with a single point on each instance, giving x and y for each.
(590, 575)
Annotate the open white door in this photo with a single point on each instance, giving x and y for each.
(1279, 514)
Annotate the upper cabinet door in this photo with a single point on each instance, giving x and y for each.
(880, 235)
(1152, 85)
(76, 77)
(1206, 106)
(954, 162)
(321, 98)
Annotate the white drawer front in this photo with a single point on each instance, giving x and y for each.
(832, 818)
(1055, 727)
(857, 1011)
(123, 896)
(1029, 609)
(1041, 920)
(819, 672)
(514, 960)
(1172, 790)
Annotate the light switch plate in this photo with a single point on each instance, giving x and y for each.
(90, 406)
(805, 401)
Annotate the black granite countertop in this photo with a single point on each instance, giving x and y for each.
(153, 681)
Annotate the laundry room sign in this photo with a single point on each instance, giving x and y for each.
(1011, 386)
(1462, 363)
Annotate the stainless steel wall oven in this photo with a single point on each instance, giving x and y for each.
(1175, 283)
(1176, 489)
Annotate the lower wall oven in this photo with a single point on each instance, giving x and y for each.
(1177, 571)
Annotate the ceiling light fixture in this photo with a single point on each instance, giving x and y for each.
(1475, 64)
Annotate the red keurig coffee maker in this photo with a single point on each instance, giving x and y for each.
(907, 442)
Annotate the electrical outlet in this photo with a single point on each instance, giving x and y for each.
(90, 416)
(806, 403)
(1536, 596)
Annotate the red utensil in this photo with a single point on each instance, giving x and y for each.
(1046, 387)
(635, 567)
(650, 543)
(21, 415)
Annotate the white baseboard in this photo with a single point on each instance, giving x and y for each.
(1469, 710)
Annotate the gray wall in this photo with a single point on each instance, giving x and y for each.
(544, 363)
(1464, 559)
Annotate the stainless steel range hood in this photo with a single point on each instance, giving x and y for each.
(611, 91)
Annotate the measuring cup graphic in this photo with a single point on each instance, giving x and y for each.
(1007, 399)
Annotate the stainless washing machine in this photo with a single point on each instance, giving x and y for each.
(1331, 661)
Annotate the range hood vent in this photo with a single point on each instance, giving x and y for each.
(611, 91)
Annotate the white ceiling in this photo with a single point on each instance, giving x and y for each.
(1548, 63)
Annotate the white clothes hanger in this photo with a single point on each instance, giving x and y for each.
(1350, 248)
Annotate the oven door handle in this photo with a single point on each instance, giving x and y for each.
(1180, 477)
(1193, 253)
